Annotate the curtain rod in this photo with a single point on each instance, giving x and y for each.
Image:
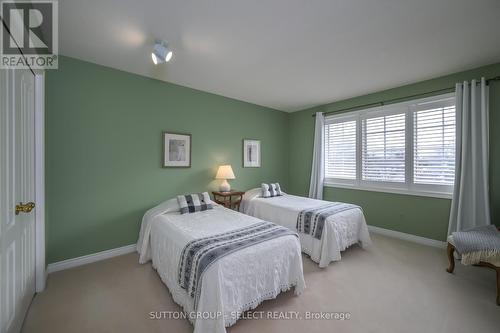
(390, 101)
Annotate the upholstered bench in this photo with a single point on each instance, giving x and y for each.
(493, 263)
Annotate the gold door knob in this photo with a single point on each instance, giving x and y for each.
(24, 208)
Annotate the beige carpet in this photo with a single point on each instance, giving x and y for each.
(395, 286)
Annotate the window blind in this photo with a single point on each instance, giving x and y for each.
(406, 147)
(434, 146)
(383, 148)
(340, 150)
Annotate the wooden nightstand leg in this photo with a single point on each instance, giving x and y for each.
(451, 259)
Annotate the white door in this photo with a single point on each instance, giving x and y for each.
(17, 193)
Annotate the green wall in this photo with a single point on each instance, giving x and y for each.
(103, 154)
(103, 151)
(422, 216)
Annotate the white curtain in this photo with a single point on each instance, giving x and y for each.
(470, 205)
(318, 170)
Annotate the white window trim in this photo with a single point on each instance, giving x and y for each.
(408, 187)
(419, 193)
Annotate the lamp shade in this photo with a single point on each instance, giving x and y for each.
(225, 172)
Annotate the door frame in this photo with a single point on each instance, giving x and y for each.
(40, 267)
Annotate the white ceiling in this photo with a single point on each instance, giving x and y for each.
(285, 54)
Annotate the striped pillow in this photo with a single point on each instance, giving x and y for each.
(271, 190)
(196, 202)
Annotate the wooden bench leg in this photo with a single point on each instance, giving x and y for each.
(450, 249)
(498, 285)
(451, 258)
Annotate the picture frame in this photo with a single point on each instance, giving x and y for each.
(176, 150)
(251, 153)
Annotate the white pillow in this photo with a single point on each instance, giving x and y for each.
(196, 202)
(271, 190)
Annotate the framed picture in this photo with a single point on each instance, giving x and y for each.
(251, 153)
(176, 150)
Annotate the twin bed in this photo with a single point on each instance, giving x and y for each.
(216, 262)
(235, 283)
(340, 231)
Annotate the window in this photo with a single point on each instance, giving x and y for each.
(434, 145)
(340, 154)
(404, 148)
(383, 148)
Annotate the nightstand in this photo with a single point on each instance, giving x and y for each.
(231, 199)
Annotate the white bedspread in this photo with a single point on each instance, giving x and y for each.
(235, 283)
(341, 230)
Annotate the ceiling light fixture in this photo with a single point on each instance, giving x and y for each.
(161, 52)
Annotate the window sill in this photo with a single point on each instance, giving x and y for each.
(441, 195)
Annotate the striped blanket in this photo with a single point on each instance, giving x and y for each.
(312, 221)
(477, 244)
(199, 254)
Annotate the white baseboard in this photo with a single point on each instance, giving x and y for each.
(407, 237)
(74, 262)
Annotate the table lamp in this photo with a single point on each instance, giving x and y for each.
(225, 172)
